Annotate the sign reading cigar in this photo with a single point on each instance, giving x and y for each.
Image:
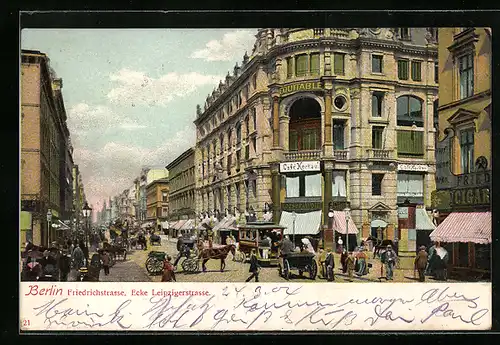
(300, 166)
(302, 86)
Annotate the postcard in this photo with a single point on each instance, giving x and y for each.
(269, 179)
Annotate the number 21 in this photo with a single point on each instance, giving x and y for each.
(26, 323)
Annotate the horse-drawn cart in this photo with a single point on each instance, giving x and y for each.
(154, 262)
(303, 262)
(254, 235)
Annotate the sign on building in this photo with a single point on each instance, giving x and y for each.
(300, 166)
(303, 86)
(413, 167)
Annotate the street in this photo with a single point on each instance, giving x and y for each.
(134, 270)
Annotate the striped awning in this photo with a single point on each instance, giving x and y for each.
(422, 220)
(188, 225)
(305, 223)
(339, 223)
(228, 223)
(464, 227)
(172, 224)
(179, 224)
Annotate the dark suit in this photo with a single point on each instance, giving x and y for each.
(254, 269)
(421, 264)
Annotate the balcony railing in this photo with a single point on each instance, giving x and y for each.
(381, 154)
(340, 155)
(301, 155)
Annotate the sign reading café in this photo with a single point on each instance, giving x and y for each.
(302, 86)
(300, 166)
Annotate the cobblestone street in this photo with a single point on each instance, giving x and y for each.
(134, 270)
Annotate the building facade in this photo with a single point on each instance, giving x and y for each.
(157, 201)
(46, 162)
(463, 177)
(181, 196)
(324, 118)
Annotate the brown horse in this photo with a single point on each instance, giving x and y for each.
(215, 253)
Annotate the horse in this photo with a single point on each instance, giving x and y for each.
(215, 253)
(379, 245)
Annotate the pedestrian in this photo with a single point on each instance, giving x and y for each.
(350, 265)
(254, 267)
(421, 263)
(340, 245)
(330, 265)
(320, 261)
(343, 261)
(105, 262)
(362, 258)
(266, 247)
(168, 270)
(78, 257)
(389, 260)
(286, 245)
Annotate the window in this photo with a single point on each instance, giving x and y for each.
(237, 190)
(303, 185)
(466, 70)
(377, 133)
(310, 139)
(238, 133)
(229, 164)
(410, 185)
(293, 141)
(292, 187)
(339, 102)
(377, 98)
(410, 143)
(463, 254)
(254, 188)
(403, 69)
(238, 159)
(301, 65)
(467, 151)
(416, 71)
(254, 116)
(338, 63)
(247, 126)
(314, 64)
(312, 185)
(221, 143)
(289, 67)
(404, 33)
(229, 142)
(339, 185)
(318, 32)
(254, 81)
(482, 256)
(377, 184)
(245, 92)
(228, 193)
(254, 145)
(377, 63)
(338, 135)
(247, 152)
(436, 72)
(409, 111)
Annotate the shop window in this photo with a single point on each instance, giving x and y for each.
(410, 185)
(403, 69)
(466, 71)
(483, 256)
(409, 111)
(416, 71)
(463, 254)
(339, 184)
(338, 63)
(303, 185)
(377, 61)
(301, 65)
(338, 135)
(312, 185)
(377, 137)
(377, 100)
(377, 184)
(467, 151)
(314, 63)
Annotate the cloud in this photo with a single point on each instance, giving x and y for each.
(229, 48)
(108, 171)
(83, 118)
(137, 88)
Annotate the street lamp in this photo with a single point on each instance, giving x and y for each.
(49, 225)
(347, 212)
(294, 217)
(86, 213)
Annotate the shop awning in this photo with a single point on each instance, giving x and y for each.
(305, 223)
(422, 220)
(179, 224)
(464, 227)
(188, 225)
(339, 223)
(228, 223)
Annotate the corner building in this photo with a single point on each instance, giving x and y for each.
(324, 118)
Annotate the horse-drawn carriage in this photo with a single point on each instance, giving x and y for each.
(300, 261)
(154, 262)
(116, 251)
(253, 236)
(155, 239)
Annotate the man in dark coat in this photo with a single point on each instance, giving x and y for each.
(330, 265)
(286, 246)
(254, 267)
(421, 263)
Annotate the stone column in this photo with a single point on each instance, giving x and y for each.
(276, 188)
(327, 134)
(328, 235)
(284, 121)
(276, 128)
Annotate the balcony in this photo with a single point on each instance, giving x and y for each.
(381, 154)
(340, 155)
(292, 156)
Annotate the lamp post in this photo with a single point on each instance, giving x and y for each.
(347, 212)
(49, 225)
(330, 217)
(86, 213)
(294, 217)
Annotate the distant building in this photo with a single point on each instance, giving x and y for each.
(157, 202)
(463, 176)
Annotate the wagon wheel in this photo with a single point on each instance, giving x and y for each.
(240, 256)
(190, 265)
(158, 266)
(286, 269)
(313, 270)
(150, 265)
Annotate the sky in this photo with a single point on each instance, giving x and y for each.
(131, 95)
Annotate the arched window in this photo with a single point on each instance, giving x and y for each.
(409, 111)
(238, 133)
(305, 125)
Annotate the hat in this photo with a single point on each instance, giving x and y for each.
(389, 246)
(422, 248)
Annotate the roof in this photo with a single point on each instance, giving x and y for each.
(305, 223)
(422, 220)
(464, 227)
(188, 225)
(179, 224)
(226, 224)
(339, 223)
(180, 158)
(260, 226)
